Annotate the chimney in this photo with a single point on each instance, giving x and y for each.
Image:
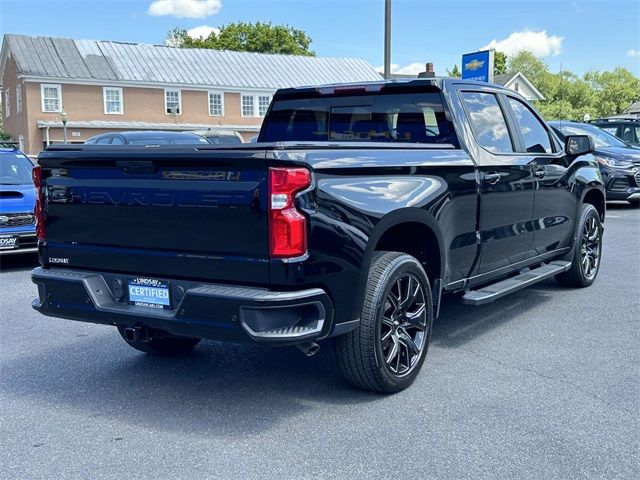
(428, 73)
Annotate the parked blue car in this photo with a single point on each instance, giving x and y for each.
(17, 203)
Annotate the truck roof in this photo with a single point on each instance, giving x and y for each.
(438, 83)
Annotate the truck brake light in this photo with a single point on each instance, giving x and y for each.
(36, 174)
(287, 226)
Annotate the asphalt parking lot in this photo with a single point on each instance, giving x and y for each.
(543, 383)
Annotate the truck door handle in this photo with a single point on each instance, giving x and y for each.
(492, 177)
(540, 172)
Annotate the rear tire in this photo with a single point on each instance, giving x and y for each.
(386, 353)
(158, 342)
(587, 252)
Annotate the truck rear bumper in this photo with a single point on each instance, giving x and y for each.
(218, 312)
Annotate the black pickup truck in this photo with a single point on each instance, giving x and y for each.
(358, 209)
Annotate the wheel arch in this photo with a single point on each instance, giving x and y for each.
(595, 197)
(390, 234)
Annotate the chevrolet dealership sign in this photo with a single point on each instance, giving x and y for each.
(478, 66)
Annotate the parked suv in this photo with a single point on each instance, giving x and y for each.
(626, 129)
(619, 163)
(17, 203)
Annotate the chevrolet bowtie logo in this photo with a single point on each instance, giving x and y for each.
(474, 65)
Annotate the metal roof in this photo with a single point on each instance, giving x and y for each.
(93, 60)
(503, 79)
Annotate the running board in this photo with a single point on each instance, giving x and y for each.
(497, 290)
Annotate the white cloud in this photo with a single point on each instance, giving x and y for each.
(633, 53)
(411, 69)
(538, 43)
(185, 8)
(203, 31)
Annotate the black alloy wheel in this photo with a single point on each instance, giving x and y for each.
(387, 351)
(404, 325)
(586, 254)
(590, 247)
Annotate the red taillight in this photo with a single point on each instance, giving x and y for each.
(36, 173)
(287, 226)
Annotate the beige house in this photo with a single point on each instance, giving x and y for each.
(107, 86)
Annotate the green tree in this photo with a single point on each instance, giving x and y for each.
(530, 66)
(259, 37)
(499, 63)
(569, 96)
(613, 91)
(454, 72)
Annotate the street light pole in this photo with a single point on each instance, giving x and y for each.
(63, 116)
(387, 38)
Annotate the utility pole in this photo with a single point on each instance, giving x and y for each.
(387, 38)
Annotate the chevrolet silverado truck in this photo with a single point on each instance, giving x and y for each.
(359, 209)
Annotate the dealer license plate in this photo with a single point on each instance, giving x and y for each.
(9, 242)
(149, 292)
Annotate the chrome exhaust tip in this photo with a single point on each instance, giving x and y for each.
(308, 348)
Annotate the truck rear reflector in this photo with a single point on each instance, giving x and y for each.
(287, 226)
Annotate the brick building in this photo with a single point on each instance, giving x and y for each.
(106, 86)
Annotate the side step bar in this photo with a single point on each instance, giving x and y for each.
(497, 290)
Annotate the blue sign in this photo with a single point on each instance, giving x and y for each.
(478, 66)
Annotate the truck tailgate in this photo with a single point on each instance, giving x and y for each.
(202, 216)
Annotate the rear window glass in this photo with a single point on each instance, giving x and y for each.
(223, 139)
(409, 118)
(187, 140)
(611, 130)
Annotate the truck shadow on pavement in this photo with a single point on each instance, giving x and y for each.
(219, 389)
(458, 323)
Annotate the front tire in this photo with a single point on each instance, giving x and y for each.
(587, 251)
(386, 353)
(159, 342)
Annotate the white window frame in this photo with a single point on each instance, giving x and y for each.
(179, 101)
(18, 99)
(104, 100)
(256, 103)
(6, 106)
(58, 87)
(214, 92)
(270, 97)
(253, 99)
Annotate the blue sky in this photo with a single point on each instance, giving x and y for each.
(579, 35)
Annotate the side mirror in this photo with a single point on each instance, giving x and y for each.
(579, 144)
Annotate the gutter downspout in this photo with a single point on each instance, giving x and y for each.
(47, 136)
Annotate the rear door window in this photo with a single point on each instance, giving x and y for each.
(534, 134)
(402, 118)
(488, 121)
(630, 134)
